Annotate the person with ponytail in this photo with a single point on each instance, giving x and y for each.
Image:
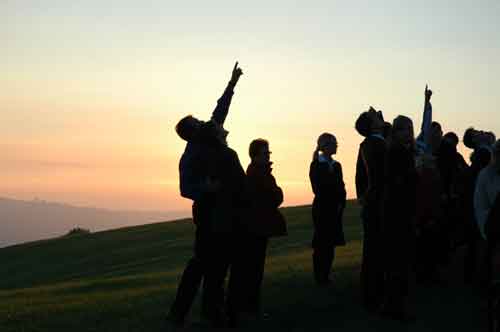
(329, 202)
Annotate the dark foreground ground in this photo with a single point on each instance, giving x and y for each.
(125, 280)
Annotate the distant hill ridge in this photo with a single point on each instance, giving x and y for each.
(23, 221)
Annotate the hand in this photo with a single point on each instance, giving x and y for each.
(235, 75)
(428, 94)
(379, 113)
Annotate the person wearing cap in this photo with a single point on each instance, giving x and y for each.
(369, 189)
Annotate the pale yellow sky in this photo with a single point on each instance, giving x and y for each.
(90, 94)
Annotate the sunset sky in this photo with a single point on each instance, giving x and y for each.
(90, 91)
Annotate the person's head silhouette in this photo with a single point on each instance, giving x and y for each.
(402, 131)
(370, 122)
(259, 152)
(190, 128)
(326, 145)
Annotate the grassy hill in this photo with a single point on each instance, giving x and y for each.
(125, 280)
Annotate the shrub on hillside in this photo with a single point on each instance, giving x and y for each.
(77, 231)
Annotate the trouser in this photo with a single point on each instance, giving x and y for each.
(372, 273)
(192, 277)
(247, 272)
(209, 263)
(220, 262)
(323, 257)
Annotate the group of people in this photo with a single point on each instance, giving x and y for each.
(420, 200)
(235, 213)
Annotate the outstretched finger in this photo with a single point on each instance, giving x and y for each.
(235, 66)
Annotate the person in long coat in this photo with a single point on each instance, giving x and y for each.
(399, 210)
(263, 220)
(369, 191)
(328, 207)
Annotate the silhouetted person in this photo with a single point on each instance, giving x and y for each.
(228, 217)
(436, 137)
(328, 206)
(486, 194)
(453, 170)
(481, 143)
(199, 181)
(450, 159)
(262, 221)
(487, 210)
(369, 189)
(431, 244)
(399, 209)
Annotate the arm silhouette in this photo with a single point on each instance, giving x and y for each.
(222, 109)
(423, 139)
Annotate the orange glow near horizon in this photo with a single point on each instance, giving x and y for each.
(89, 100)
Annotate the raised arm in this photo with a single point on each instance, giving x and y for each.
(423, 139)
(221, 110)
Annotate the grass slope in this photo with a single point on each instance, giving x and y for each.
(125, 280)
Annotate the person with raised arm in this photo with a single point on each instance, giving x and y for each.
(200, 181)
(423, 141)
(195, 132)
(369, 188)
(432, 247)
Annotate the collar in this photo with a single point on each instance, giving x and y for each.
(261, 169)
(378, 136)
(329, 161)
(486, 147)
